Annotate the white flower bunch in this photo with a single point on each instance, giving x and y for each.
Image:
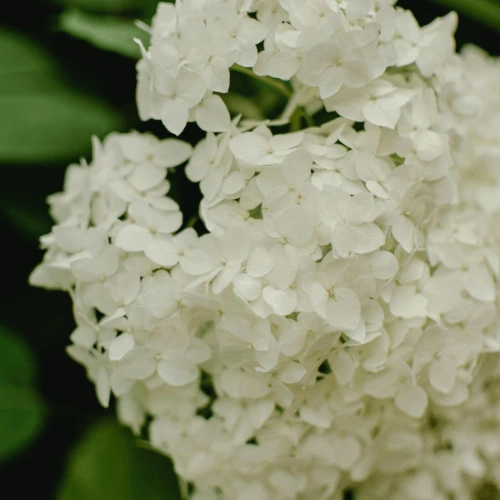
(337, 327)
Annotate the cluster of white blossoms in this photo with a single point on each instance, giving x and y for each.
(337, 328)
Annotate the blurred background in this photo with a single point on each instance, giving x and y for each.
(67, 71)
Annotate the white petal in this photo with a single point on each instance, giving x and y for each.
(412, 400)
(137, 364)
(356, 9)
(190, 87)
(285, 142)
(172, 152)
(84, 336)
(407, 303)
(284, 396)
(282, 302)
(247, 287)
(331, 81)
(442, 375)
(268, 359)
(121, 346)
(103, 387)
(348, 103)
(174, 115)
(225, 277)
(260, 411)
(177, 373)
(357, 73)
(349, 450)
(382, 385)
(403, 231)
(361, 239)
(249, 147)
(344, 310)
(236, 245)
(259, 263)
(382, 113)
(70, 238)
(318, 297)
(108, 261)
(145, 177)
(282, 65)
(135, 147)
(162, 252)
(196, 262)
(292, 373)
(84, 270)
(120, 385)
(343, 366)
(292, 339)
(383, 265)
(233, 183)
(212, 115)
(169, 222)
(133, 238)
(479, 283)
(316, 417)
(124, 190)
(198, 351)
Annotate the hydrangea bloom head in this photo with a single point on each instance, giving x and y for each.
(337, 326)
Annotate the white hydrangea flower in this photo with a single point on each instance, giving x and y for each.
(337, 328)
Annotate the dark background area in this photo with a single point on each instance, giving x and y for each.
(44, 319)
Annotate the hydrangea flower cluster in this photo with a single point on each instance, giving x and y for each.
(337, 327)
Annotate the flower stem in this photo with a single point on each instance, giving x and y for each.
(295, 120)
(484, 11)
(271, 82)
(193, 220)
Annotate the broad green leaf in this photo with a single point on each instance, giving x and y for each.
(486, 12)
(107, 464)
(155, 471)
(144, 7)
(17, 366)
(106, 32)
(238, 104)
(20, 53)
(100, 5)
(24, 216)
(51, 126)
(99, 466)
(21, 418)
(29, 82)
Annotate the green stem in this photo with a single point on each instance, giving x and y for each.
(295, 120)
(308, 118)
(193, 220)
(143, 443)
(271, 82)
(484, 11)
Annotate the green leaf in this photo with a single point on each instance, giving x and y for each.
(106, 32)
(29, 82)
(486, 12)
(17, 366)
(51, 126)
(21, 410)
(100, 5)
(106, 464)
(19, 53)
(156, 472)
(21, 418)
(238, 104)
(24, 216)
(145, 7)
(41, 118)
